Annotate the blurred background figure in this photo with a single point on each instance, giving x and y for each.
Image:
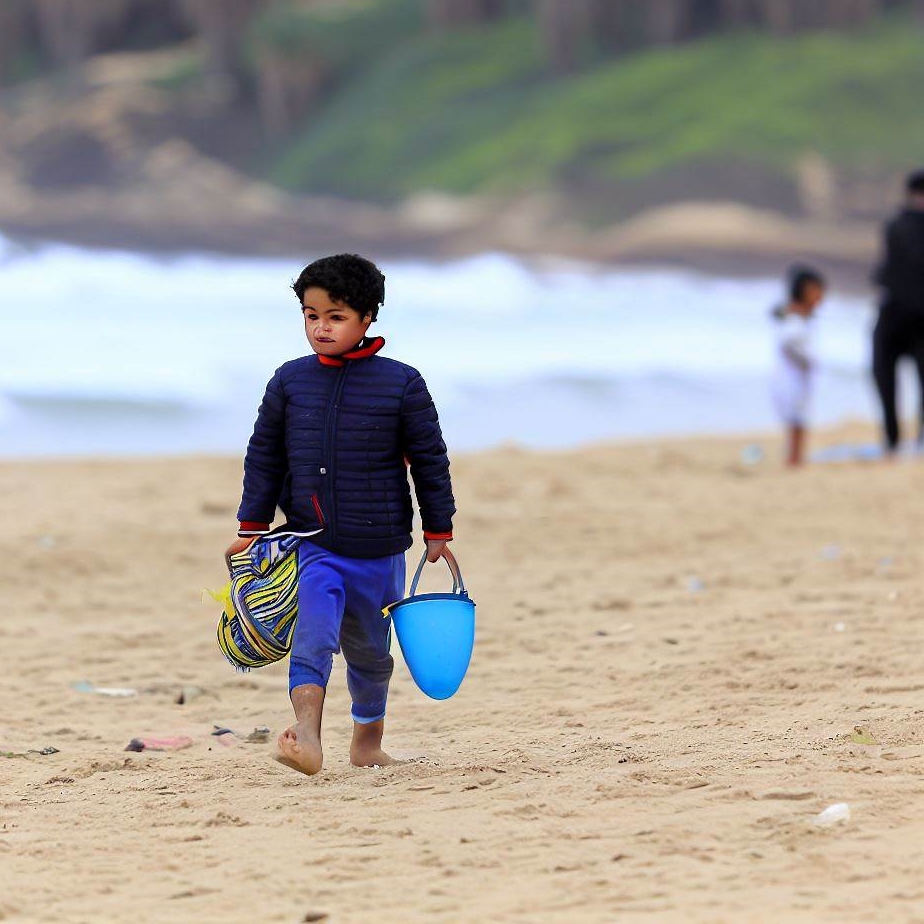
(900, 328)
(795, 360)
(166, 166)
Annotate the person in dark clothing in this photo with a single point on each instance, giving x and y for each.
(900, 328)
(334, 437)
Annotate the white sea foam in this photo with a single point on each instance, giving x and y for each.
(116, 352)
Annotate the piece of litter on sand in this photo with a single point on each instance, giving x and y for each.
(861, 735)
(46, 542)
(115, 691)
(43, 752)
(260, 734)
(695, 585)
(752, 454)
(188, 693)
(839, 626)
(831, 552)
(84, 686)
(848, 452)
(832, 815)
(176, 743)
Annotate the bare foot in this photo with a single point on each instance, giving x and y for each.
(375, 757)
(300, 749)
(366, 746)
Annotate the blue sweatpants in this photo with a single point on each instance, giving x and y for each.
(340, 603)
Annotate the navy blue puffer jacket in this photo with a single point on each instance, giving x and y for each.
(331, 446)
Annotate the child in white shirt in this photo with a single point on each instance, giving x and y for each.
(795, 362)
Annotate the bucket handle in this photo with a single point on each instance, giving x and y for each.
(458, 585)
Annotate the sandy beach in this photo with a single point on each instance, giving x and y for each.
(673, 651)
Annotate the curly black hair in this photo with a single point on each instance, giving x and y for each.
(347, 278)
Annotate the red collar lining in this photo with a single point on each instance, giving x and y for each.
(363, 351)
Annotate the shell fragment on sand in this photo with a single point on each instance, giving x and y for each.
(84, 686)
(832, 815)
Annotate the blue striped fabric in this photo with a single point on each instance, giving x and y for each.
(260, 603)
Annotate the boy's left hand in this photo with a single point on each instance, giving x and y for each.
(435, 549)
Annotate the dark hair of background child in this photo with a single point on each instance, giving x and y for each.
(801, 276)
(798, 277)
(347, 278)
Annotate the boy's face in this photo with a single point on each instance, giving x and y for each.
(332, 327)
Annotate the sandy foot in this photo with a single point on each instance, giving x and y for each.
(372, 757)
(299, 750)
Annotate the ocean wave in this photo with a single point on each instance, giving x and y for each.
(111, 335)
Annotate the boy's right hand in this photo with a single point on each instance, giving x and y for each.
(239, 544)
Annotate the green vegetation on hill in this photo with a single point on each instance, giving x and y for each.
(420, 118)
(341, 37)
(480, 111)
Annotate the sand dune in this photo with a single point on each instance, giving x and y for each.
(673, 651)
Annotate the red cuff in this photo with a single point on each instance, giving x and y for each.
(438, 536)
(249, 526)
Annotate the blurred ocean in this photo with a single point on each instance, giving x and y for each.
(109, 352)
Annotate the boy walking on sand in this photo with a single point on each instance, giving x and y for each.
(334, 436)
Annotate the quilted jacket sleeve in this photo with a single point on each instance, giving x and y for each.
(426, 452)
(265, 464)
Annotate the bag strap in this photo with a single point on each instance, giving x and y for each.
(458, 585)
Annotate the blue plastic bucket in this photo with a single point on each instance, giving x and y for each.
(436, 633)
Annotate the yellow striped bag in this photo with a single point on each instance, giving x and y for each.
(259, 602)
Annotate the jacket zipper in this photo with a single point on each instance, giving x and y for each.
(329, 454)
